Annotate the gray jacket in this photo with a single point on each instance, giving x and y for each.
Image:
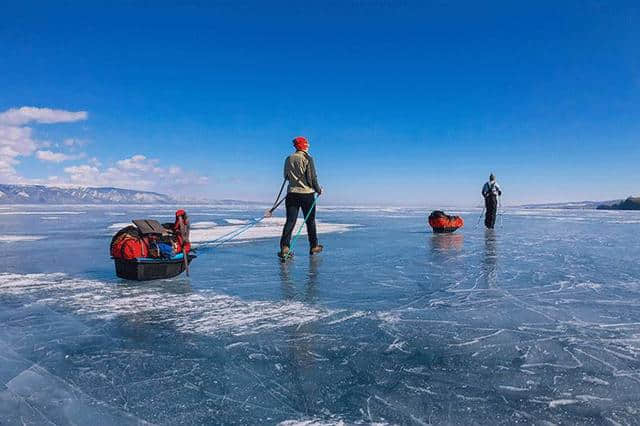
(300, 171)
(491, 188)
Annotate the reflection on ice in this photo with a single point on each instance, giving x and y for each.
(447, 241)
(490, 263)
(305, 291)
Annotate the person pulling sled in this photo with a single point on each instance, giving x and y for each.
(300, 172)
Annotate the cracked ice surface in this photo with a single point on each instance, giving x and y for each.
(535, 323)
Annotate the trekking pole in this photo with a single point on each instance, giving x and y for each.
(293, 243)
(501, 210)
(480, 217)
(276, 203)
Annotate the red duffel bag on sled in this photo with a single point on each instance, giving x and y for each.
(441, 222)
(128, 243)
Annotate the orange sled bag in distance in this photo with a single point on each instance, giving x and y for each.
(441, 222)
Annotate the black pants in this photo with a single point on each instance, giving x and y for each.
(294, 203)
(491, 204)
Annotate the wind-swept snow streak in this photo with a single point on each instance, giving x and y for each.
(191, 312)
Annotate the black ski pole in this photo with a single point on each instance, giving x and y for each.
(277, 202)
(480, 217)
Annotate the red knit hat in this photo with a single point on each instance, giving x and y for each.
(301, 143)
(180, 213)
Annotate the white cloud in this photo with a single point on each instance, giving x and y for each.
(56, 157)
(136, 172)
(16, 139)
(14, 142)
(24, 115)
(138, 163)
(84, 175)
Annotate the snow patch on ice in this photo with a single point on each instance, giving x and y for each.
(513, 388)
(236, 221)
(313, 422)
(595, 380)
(560, 402)
(8, 213)
(588, 398)
(203, 225)
(119, 225)
(592, 286)
(268, 228)
(20, 238)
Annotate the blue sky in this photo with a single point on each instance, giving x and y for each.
(403, 102)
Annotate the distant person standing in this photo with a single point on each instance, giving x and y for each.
(491, 191)
(300, 171)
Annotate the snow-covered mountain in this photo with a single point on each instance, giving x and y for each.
(41, 194)
(44, 194)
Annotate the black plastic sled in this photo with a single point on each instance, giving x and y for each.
(145, 269)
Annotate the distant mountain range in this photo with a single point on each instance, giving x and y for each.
(43, 194)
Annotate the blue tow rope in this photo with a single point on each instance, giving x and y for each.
(236, 232)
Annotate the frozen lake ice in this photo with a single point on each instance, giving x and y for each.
(537, 322)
